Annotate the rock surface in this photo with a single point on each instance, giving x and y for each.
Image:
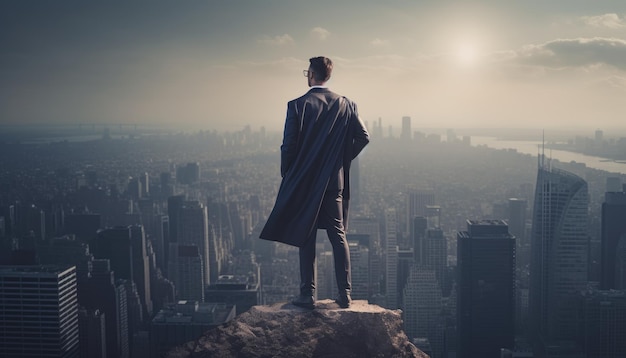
(284, 330)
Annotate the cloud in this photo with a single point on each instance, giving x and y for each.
(280, 40)
(319, 33)
(379, 42)
(611, 21)
(580, 52)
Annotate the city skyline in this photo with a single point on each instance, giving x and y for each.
(529, 64)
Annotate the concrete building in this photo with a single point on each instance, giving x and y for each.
(38, 311)
(486, 289)
(559, 254)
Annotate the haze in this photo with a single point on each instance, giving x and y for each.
(227, 64)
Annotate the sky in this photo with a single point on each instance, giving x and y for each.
(225, 64)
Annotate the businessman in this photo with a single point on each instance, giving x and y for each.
(323, 134)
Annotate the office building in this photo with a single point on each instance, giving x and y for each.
(239, 290)
(92, 333)
(559, 241)
(613, 242)
(100, 291)
(125, 248)
(422, 306)
(186, 270)
(193, 229)
(435, 254)
(406, 128)
(360, 270)
(602, 318)
(391, 271)
(486, 289)
(417, 201)
(38, 311)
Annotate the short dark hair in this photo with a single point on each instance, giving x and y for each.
(322, 67)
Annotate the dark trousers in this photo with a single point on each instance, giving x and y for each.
(331, 219)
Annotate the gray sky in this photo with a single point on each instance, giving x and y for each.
(225, 64)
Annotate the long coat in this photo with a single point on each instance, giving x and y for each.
(323, 134)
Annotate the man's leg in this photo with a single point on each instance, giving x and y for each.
(307, 266)
(332, 211)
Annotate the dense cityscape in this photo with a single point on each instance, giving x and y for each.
(130, 244)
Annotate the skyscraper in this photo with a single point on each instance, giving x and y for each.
(125, 248)
(38, 311)
(416, 205)
(486, 289)
(392, 259)
(186, 270)
(193, 229)
(359, 264)
(435, 254)
(99, 291)
(418, 232)
(422, 306)
(613, 242)
(559, 242)
(174, 205)
(406, 128)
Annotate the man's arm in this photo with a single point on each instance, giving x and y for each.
(360, 135)
(288, 149)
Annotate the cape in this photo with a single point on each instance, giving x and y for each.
(323, 134)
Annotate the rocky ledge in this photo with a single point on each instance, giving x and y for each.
(284, 330)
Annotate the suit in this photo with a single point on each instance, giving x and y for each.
(323, 134)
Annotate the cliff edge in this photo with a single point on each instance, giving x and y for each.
(284, 330)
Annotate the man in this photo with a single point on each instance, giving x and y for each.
(323, 134)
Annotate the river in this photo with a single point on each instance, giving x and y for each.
(532, 147)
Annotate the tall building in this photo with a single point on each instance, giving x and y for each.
(360, 270)
(418, 232)
(99, 291)
(602, 322)
(391, 271)
(371, 227)
(92, 333)
(417, 201)
(186, 270)
(141, 268)
(406, 128)
(174, 206)
(38, 311)
(193, 229)
(406, 260)
(559, 242)
(435, 254)
(125, 248)
(422, 307)
(613, 242)
(486, 289)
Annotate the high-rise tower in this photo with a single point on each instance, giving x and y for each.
(193, 228)
(486, 289)
(613, 242)
(559, 242)
(391, 271)
(38, 311)
(406, 128)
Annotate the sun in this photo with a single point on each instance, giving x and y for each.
(467, 55)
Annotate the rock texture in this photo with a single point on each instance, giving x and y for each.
(283, 330)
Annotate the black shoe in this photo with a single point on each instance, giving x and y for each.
(304, 301)
(343, 301)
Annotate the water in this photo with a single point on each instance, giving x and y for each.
(532, 148)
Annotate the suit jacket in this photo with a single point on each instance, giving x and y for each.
(323, 134)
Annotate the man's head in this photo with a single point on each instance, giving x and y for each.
(320, 69)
